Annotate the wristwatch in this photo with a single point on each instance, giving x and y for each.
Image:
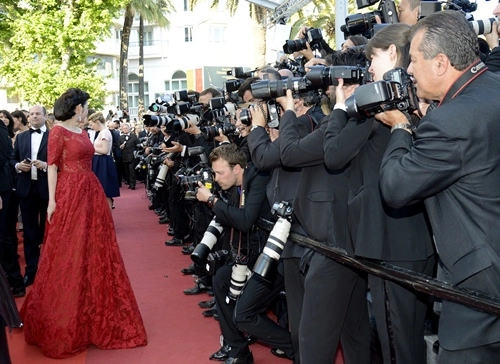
(210, 201)
(405, 126)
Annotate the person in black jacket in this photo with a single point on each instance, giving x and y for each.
(237, 208)
(452, 163)
(326, 300)
(400, 236)
(128, 144)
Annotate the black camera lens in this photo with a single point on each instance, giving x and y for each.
(294, 45)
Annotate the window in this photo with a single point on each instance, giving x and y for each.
(178, 82)
(148, 38)
(133, 91)
(188, 34)
(186, 5)
(217, 34)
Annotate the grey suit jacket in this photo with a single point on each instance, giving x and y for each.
(454, 165)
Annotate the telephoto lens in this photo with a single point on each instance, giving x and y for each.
(267, 261)
(160, 179)
(239, 276)
(212, 234)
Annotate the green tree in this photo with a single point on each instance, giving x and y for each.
(46, 45)
(152, 11)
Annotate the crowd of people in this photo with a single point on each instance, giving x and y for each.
(414, 187)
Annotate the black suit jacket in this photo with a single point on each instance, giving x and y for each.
(131, 142)
(22, 150)
(5, 153)
(454, 165)
(321, 201)
(377, 230)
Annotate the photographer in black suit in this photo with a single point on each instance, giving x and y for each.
(241, 202)
(326, 300)
(452, 163)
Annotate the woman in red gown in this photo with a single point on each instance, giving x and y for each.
(82, 294)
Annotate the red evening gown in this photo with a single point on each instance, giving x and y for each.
(82, 294)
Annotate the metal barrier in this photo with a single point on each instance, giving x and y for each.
(410, 278)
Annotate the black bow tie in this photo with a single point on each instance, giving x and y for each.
(35, 130)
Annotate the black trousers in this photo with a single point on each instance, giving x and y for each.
(327, 304)
(34, 213)
(178, 217)
(232, 336)
(129, 172)
(250, 313)
(400, 314)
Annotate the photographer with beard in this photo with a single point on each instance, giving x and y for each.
(400, 237)
(238, 206)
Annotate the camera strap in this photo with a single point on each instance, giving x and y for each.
(469, 75)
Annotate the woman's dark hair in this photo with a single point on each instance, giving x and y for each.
(64, 107)
(20, 115)
(397, 34)
(10, 127)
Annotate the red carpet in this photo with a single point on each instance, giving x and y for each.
(177, 331)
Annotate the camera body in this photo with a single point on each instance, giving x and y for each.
(313, 36)
(396, 91)
(365, 23)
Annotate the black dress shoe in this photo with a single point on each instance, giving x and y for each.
(247, 359)
(197, 289)
(207, 304)
(19, 292)
(132, 188)
(174, 242)
(222, 354)
(187, 250)
(188, 270)
(28, 280)
(170, 231)
(163, 220)
(280, 353)
(210, 313)
(160, 211)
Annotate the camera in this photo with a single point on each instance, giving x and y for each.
(210, 237)
(239, 276)
(156, 120)
(216, 260)
(396, 91)
(313, 36)
(190, 182)
(318, 78)
(268, 260)
(238, 72)
(364, 23)
(273, 115)
(322, 77)
(296, 68)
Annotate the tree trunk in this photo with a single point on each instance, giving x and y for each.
(259, 34)
(141, 69)
(68, 9)
(127, 26)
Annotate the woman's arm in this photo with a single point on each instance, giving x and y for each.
(52, 180)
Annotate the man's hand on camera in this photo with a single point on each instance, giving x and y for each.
(221, 138)
(193, 129)
(258, 117)
(168, 162)
(176, 148)
(392, 117)
(314, 62)
(202, 193)
(290, 102)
